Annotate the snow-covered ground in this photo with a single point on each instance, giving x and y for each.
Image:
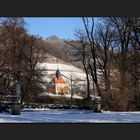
(59, 95)
(69, 116)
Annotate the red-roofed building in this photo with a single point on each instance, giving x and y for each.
(58, 85)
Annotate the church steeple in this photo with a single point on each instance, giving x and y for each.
(58, 78)
(58, 73)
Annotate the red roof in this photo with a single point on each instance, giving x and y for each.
(58, 80)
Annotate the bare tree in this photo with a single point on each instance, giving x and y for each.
(81, 54)
(104, 39)
(126, 41)
(21, 53)
(89, 28)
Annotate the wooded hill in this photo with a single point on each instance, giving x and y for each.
(108, 53)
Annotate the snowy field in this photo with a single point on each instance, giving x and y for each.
(69, 116)
(65, 69)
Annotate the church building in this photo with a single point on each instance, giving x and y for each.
(58, 84)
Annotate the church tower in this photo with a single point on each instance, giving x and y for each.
(58, 78)
(60, 86)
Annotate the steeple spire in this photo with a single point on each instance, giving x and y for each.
(58, 73)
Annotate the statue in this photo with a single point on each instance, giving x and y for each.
(18, 89)
(16, 99)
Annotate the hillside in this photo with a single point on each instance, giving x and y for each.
(68, 72)
(51, 64)
(61, 50)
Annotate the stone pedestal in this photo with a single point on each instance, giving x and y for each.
(97, 103)
(15, 105)
(15, 109)
(97, 107)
